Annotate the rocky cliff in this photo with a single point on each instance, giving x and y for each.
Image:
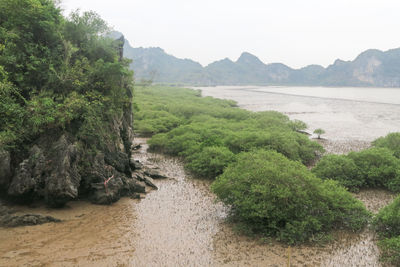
(58, 166)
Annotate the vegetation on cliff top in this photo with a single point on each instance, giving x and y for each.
(57, 73)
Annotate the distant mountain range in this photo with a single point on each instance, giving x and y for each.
(371, 68)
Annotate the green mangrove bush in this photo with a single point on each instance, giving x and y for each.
(277, 197)
(369, 168)
(183, 124)
(387, 224)
(391, 142)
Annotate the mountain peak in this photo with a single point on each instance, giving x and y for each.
(250, 70)
(247, 57)
(369, 54)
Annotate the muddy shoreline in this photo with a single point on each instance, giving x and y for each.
(180, 224)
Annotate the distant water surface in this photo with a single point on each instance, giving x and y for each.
(352, 114)
(363, 94)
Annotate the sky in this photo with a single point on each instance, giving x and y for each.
(294, 32)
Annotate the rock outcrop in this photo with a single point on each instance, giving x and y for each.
(9, 218)
(58, 166)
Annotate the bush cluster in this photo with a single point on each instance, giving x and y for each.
(209, 132)
(373, 167)
(281, 198)
(387, 224)
(258, 158)
(391, 142)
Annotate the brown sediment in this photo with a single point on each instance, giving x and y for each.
(89, 235)
(375, 199)
(341, 146)
(177, 223)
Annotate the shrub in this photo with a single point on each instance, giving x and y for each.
(152, 122)
(275, 196)
(182, 124)
(374, 167)
(298, 125)
(210, 162)
(387, 224)
(390, 250)
(387, 221)
(378, 168)
(390, 141)
(339, 168)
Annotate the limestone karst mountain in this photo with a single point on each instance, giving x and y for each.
(371, 68)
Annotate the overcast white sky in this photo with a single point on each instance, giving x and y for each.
(294, 32)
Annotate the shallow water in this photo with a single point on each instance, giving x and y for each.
(180, 224)
(356, 118)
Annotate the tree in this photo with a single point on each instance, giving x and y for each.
(31, 42)
(319, 132)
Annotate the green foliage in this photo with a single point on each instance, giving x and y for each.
(184, 124)
(58, 73)
(319, 132)
(390, 141)
(12, 114)
(374, 167)
(339, 168)
(210, 161)
(275, 196)
(31, 37)
(378, 167)
(387, 224)
(390, 250)
(298, 125)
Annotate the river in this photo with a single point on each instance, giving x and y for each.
(181, 224)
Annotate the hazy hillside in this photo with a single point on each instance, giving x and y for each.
(371, 68)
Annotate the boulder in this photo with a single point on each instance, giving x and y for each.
(53, 176)
(8, 218)
(107, 193)
(155, 174)
(63, 179)
(26, 219)
(29, 176)
(149, 182)
(135, 164)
